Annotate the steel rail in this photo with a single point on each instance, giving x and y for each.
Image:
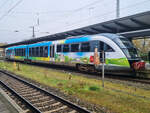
(70, 104)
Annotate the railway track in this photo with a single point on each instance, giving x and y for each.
(37, 99)
(131, 79)
(122, 77)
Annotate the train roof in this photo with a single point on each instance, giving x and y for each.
(110, 35)
(40, 44)
(21, 46)
(69, 40)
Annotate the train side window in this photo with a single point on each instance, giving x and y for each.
(93, 44)
(30, 52)
(23, 51)
(15, 52)
(59, 47)
(66, 48)
(85, 47)
(46, 51)
(41, 51)
(19, 52)
(101, 46)
(37, 51)
(74, 47)
(107, 48)
(34, 51)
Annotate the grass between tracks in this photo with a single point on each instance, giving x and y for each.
(115, 97)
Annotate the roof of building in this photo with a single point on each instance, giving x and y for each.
(125, 26)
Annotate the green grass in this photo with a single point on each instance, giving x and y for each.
(86, 89)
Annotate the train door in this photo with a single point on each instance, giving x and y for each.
(52, 52)
(101, 48)
(107, 50)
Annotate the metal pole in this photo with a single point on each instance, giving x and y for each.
(117, 8)
(103, 60)
(38, 20)
(33, 33)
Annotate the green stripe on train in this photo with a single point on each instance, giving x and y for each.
(119, 62)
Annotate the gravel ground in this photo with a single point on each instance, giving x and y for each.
(82, 103)
(85, 104)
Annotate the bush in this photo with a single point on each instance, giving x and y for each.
(94, 88)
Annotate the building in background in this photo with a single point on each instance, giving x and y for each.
(2, 52)
(143, 45)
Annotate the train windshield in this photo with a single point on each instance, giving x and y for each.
(127, 47)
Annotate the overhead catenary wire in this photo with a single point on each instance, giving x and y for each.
(68, 12)
(109, 13)
(14, 6)
(99, 16)
(71, 12)
(65, 11)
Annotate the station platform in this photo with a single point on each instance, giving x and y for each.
(7, 105)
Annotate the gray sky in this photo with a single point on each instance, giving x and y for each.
(58, 15)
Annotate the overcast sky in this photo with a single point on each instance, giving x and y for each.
(58, 15)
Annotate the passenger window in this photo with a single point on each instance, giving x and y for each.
(46, 51)
(59, 48)
(18, 52)
(66, 48)
(101, 46)
(30, 52)
(108, 48)
(74, 47)
(105, 47)
(24, 52)
(21, 52)
(94, 44)
(37, 51)
(33, 52)
(85, 47)
(15, 52)
(41, 51)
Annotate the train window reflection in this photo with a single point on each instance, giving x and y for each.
(66, 48)
(74, 47)
(59, 48)
(85, 47)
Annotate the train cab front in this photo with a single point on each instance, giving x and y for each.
(137, 64)
(132, 54)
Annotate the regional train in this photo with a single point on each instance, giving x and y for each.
(82, 52)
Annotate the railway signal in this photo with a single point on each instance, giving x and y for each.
(103, 67)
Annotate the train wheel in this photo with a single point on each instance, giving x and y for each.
(82, 67)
